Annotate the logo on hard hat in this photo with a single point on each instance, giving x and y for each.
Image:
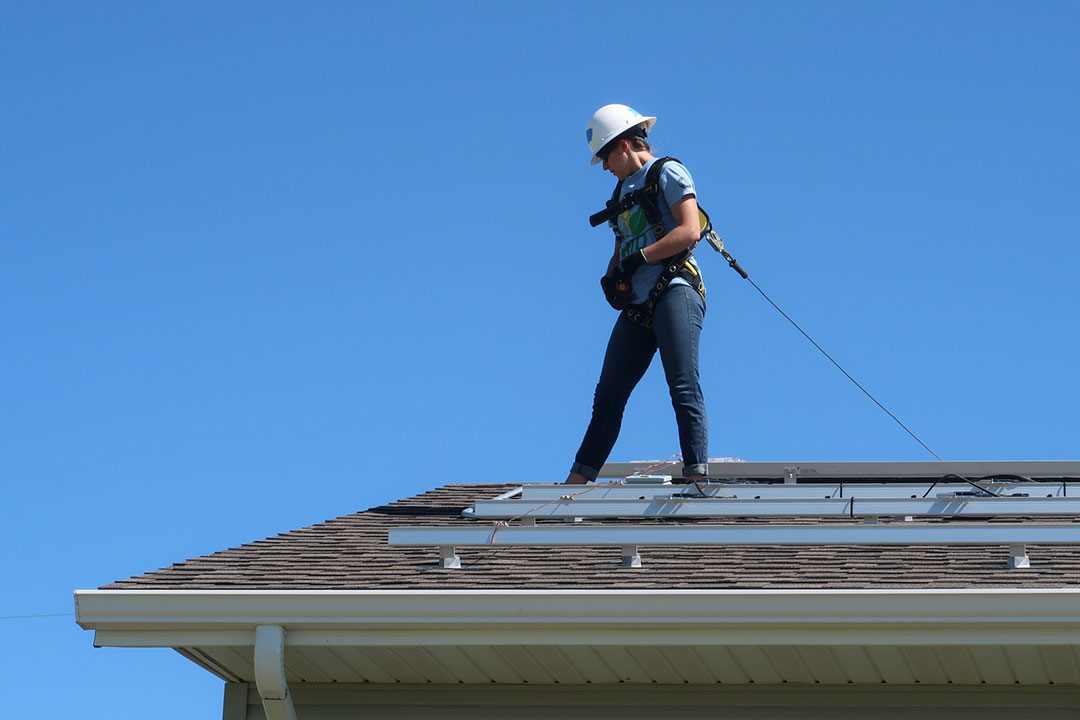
(588, 134)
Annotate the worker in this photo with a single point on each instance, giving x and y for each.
(654, 282)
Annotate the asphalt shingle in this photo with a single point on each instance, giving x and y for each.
(351, 552)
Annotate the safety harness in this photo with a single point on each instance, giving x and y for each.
(648, 197)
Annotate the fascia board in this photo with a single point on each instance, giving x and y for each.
(174, 618)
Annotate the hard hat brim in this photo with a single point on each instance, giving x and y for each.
(646, 120)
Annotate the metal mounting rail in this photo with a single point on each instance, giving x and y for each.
(758, 490)
(811, 471)
(629, 537)
(776, 507)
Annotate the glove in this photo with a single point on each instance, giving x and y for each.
(626, 268)
(616, 291)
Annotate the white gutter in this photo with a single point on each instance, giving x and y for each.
(270, 673)
(179, 618)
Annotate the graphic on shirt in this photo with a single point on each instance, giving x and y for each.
(635, 229)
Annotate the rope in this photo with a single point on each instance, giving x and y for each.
(506, 523)
(497, 524)
(838, 367)
(656, 466)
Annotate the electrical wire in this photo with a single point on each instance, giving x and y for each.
(44, 615)
(656, 466)
(498, 524)
(969, 481)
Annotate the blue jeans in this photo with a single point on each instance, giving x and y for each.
(676, 332)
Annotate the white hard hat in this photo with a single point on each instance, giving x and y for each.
(609, 122)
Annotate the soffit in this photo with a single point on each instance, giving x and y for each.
(972, 665)
(961, 637)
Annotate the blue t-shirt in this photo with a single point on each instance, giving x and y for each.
(675, 184)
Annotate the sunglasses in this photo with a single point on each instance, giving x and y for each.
(607, 150)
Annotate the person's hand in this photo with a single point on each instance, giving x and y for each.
(632, 262)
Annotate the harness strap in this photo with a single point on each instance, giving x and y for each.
(648, 197)
(676, 266)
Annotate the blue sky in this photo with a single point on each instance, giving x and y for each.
(263, 264)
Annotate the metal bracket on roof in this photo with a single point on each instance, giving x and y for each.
(647, 480)
(628, 537)
(791, 475)
(1018, 557)
(448, 558)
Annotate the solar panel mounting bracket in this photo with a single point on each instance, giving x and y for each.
(1018, 557)
(448, 558)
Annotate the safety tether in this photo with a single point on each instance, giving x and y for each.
(718, 244)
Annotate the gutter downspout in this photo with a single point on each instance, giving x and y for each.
(270, 673)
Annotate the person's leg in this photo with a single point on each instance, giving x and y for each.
(677, 322)
(629, 352)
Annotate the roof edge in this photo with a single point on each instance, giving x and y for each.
(157, 618)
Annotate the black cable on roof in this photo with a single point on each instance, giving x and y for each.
(967, 480)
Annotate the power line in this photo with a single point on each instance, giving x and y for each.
(43, 615)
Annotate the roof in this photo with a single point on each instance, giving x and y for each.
(336, 603)
(351, 553)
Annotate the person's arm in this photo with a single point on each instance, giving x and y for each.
(614, 259)
(680, 237)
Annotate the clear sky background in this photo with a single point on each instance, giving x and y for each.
(264, 263)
